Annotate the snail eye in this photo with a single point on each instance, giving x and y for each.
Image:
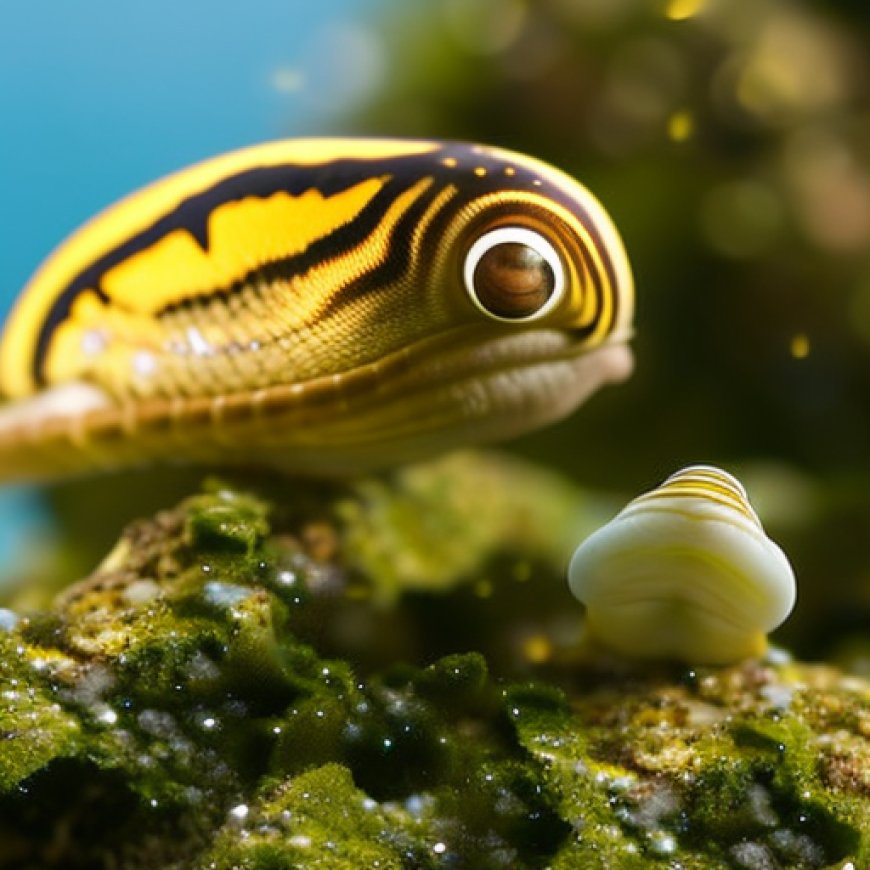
(514, 274)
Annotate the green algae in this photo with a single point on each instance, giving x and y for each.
(34, 728)
(400, 542)
(317, 819)
(656, 783)
(241, 684)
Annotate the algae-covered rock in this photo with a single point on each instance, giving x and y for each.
(391, 674)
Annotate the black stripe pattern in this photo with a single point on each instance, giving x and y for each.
(451, 164)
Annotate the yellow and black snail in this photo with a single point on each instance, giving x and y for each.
(322, 306)
(684, 572)
(327, 306)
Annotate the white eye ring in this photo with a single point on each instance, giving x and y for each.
(520, 236)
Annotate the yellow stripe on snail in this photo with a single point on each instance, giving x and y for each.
(304, 304)
(135, 213)
(684, 572)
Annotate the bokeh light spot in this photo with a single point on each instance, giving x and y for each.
(485, 27)
(831, 190)
(537, 649)
(791, 67)
(681, 126)
(288, 80)
(741, 219)
(680, 10)
(800, 346)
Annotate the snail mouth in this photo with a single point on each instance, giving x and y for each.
(464, 357)
(446, 392)
(460, 355)
(457, 389)
(460, 362)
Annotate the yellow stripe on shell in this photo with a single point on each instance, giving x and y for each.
(703, 482)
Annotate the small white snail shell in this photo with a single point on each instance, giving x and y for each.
(684, 572)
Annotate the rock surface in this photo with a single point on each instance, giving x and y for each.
(392, 674)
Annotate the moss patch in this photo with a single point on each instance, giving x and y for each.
(242, 685)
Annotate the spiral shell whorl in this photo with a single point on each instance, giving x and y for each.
(704, 488)
(684, 571)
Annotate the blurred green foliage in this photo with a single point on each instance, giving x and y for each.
(729, 139)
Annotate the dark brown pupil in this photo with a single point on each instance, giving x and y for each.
(513, 280)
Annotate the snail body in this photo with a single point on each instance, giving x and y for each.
(318, 305)
(684, 572)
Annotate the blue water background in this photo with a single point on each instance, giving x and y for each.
(99, 97)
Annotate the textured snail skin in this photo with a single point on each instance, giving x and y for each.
(684, 572)
(313, 306)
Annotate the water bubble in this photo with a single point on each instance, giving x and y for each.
(300, 841)
(108, 716)
(141, 592)
(286, 577)
(239, 812)
(662, 843)
(225, 595)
